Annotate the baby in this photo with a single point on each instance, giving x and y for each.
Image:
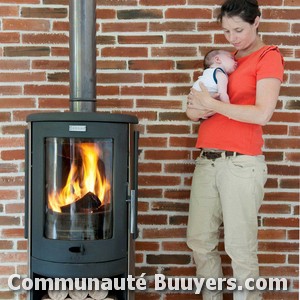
(217, 65)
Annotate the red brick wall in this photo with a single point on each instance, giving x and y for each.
(149, 53)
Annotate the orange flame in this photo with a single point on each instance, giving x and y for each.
(81, 180)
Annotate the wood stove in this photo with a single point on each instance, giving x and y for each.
(81, 177)
(81, 195)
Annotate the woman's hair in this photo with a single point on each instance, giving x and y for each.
(247, 10)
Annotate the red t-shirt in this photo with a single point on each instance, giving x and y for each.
(220, 132)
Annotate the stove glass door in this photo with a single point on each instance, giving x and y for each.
(78, 188)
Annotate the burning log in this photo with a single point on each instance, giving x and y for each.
(82, 185)
(89, 203)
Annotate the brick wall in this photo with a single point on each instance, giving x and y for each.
(149, 53)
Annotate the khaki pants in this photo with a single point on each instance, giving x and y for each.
(227, 190)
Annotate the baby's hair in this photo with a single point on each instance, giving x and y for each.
(208, 58)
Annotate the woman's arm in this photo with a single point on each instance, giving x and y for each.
(267, 92)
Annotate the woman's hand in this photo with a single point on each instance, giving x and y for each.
(197, 114)
(195, 109)
(200, 99)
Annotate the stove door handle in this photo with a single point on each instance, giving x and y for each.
(134, 191)
(26, 225)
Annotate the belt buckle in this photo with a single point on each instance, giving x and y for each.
(215, 155)
(211, 155)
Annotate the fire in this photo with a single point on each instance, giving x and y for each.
(82, 179)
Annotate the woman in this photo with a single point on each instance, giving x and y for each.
(230, 172)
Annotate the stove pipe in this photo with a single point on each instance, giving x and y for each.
(82, 16)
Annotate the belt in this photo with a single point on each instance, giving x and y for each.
(215, 155)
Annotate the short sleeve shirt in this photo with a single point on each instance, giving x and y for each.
(220, 132)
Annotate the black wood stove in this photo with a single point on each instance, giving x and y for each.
(81, 177)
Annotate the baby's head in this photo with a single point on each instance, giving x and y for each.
(220, 58)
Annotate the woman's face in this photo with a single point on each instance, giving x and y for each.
(239, 33)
